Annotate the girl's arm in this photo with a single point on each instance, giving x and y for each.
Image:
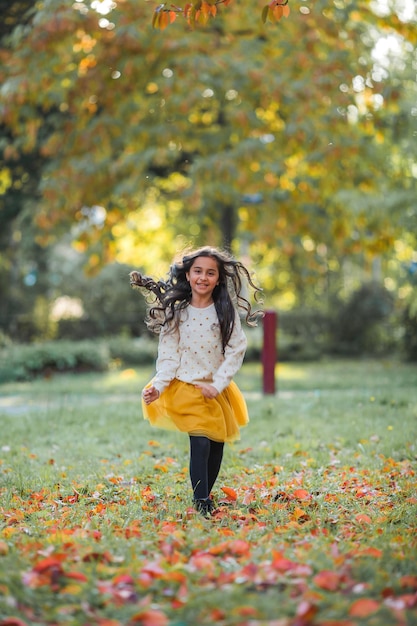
(233, 357)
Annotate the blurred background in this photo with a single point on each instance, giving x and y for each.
(294, 145)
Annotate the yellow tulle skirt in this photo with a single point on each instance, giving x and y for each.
(181, 406)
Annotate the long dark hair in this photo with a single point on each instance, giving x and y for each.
(174, 294)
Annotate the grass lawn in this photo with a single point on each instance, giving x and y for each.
(317, 528)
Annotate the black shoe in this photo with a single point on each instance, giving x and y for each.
(204, 506)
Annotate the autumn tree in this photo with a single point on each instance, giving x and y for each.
(291, 137)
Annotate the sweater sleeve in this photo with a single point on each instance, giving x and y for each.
(233, 357)
(168, 358)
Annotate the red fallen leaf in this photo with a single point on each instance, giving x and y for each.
(12, 621)
(306, 611)
(327, 579)
(387, 592)
(151, 617)
(362, 518)
(230, 493)
(50, 562)
(76, 576)
(217, 615)
(123, 579)
(364, 607)
(338, 622)
(281, 563)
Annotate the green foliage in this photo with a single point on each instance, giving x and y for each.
(303, 335)
(133, 351)
(24, 362)
(110, 306)
(361, 325)
(410, 329)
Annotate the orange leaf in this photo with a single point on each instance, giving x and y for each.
(281, 563)
(278, 12)
(299, 515)
(409, 580)
(362, 518)
(230, 493)
(301, 494)
(151, 618)
(374, 552)
(327, 579)
(163, 20)
(364, 607)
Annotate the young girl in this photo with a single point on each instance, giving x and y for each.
(201, 347)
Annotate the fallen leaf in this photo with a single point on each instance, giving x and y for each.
(152, 617)
(230, 493)
(327, 579)
(364, 607)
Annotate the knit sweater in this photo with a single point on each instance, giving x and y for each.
(193, 352)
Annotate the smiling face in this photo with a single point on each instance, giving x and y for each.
(203, 278)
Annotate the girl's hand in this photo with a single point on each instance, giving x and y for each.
(149, 394)
(208, 390)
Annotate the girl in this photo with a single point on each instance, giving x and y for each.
(201, 347)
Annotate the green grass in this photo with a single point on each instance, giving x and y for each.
(323, 530)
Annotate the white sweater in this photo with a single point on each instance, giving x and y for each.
(193, 352)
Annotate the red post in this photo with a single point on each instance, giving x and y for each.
(269, 352)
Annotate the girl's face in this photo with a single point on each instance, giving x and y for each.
(203, 277)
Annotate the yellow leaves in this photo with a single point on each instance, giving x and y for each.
(87, 63)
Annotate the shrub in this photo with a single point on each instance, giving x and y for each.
(410, 329)
(24, 362)
(362, 324)
(303, 335)
(137, 351)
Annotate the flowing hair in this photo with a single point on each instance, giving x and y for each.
(174, 295)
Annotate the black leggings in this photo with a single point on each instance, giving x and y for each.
(205, 461)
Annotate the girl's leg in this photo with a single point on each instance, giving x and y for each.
(214, 462)
(199, 457)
